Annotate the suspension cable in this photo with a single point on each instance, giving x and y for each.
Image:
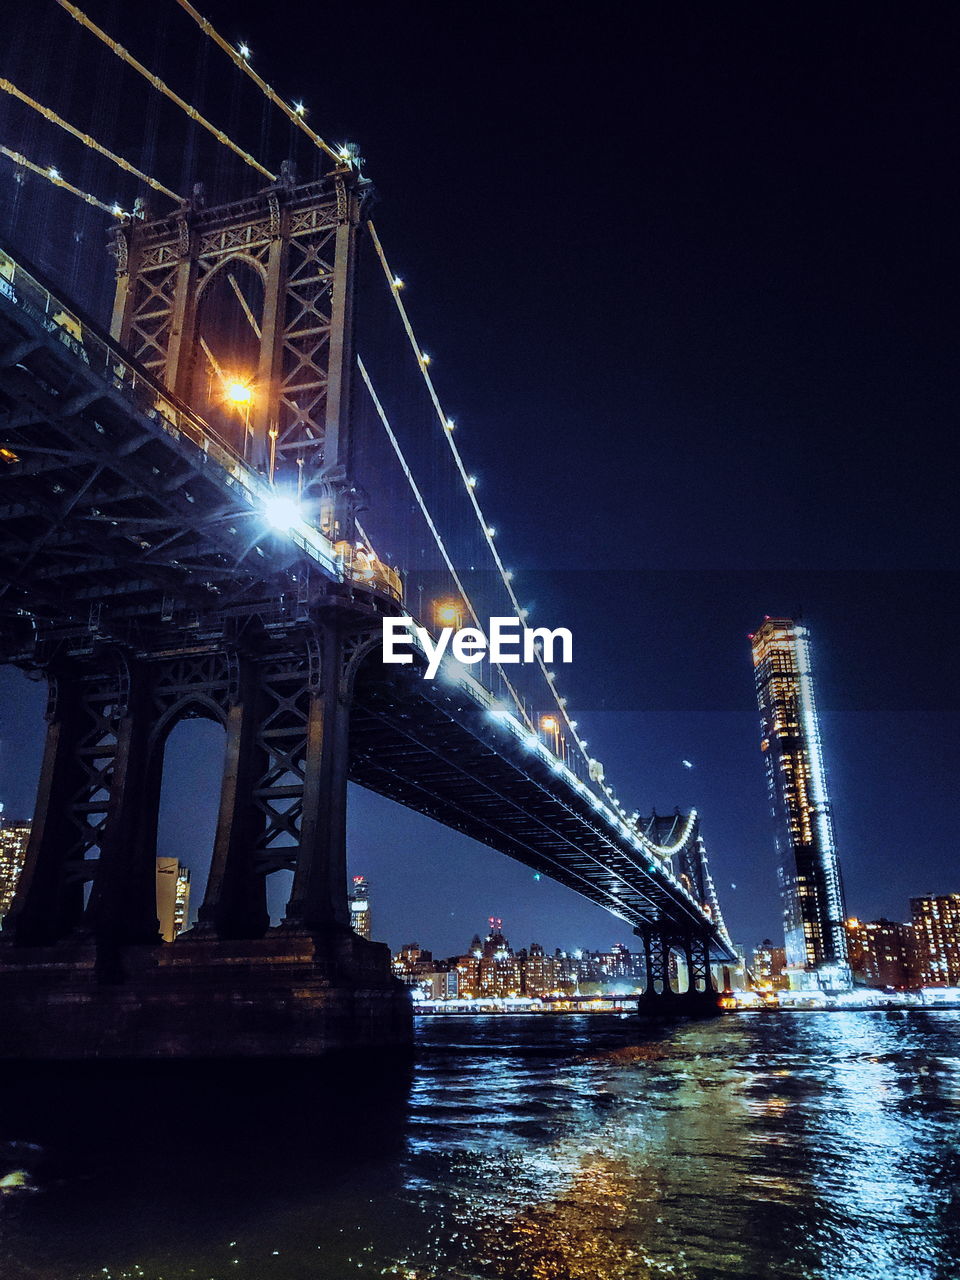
(415, 488)
(8, 87)
(640, 836)
(53, 175)
(446, 424)
(157, 83)
(241, 60)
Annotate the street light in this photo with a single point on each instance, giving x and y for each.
(281, 511)
(550, 724)
(447, 613)
(240, 395)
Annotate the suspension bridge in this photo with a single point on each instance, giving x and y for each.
(209, 507)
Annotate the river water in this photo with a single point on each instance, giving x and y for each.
(822, 1146)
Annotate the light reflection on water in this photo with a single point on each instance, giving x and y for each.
(797, 1147)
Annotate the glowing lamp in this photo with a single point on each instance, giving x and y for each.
(239, 393)
(549, 724)
(446, 613)
(282, 512)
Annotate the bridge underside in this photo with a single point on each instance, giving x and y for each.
(432, 748)
(140, 579)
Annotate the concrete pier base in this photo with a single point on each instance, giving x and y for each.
(686, 1004)
(291, 994)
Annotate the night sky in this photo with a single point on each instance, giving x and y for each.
(688, 275)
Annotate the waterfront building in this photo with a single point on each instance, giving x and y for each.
(538, 972)
(444, 983)
(173, 897)
(936, 939)
(567, 971)
(435, 979)
(14, 838)
(621, 962)
(468, 975)
(499, 967)
(360, 907)
(769, 963)
(881, 952)
(815, 937)
(410, 960)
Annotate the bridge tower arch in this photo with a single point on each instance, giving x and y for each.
(301, 240)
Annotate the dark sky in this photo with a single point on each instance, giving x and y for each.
(688, 274)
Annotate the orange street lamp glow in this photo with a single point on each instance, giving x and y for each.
(239, 393)
(549, 724)
(447, 613)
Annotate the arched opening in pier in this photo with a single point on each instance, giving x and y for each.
(193, 761)
(678, 972)
(21, 754)
(229, 318)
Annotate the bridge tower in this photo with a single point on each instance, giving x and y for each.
(284, 261)
(272, 658)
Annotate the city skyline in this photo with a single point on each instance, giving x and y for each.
(465, 865)
(723, 386)
(635, 326)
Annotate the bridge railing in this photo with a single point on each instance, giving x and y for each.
(105, 358)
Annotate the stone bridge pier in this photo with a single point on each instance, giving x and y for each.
(700, 998)
(83, 970)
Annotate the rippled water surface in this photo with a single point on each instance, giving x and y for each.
(552, 1148)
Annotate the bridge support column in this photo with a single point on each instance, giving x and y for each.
(699, 999)
(698, 966)
(319, 896)
(123, 898)
(101, 984)
(655, 955)
(234, 905)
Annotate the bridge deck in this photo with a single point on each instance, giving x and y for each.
(123, 512)
(117, 501)
(446, 749)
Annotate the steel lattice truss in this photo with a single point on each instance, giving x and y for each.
(299, 242)
(134, 559)
(119, 509)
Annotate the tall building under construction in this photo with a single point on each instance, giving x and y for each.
(815, 937)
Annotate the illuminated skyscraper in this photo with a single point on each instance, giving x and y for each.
(14, 837)
(936, 934)
(173, 897)
(881, 952)
(812, 893)
(769, 962)
(360, 907)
